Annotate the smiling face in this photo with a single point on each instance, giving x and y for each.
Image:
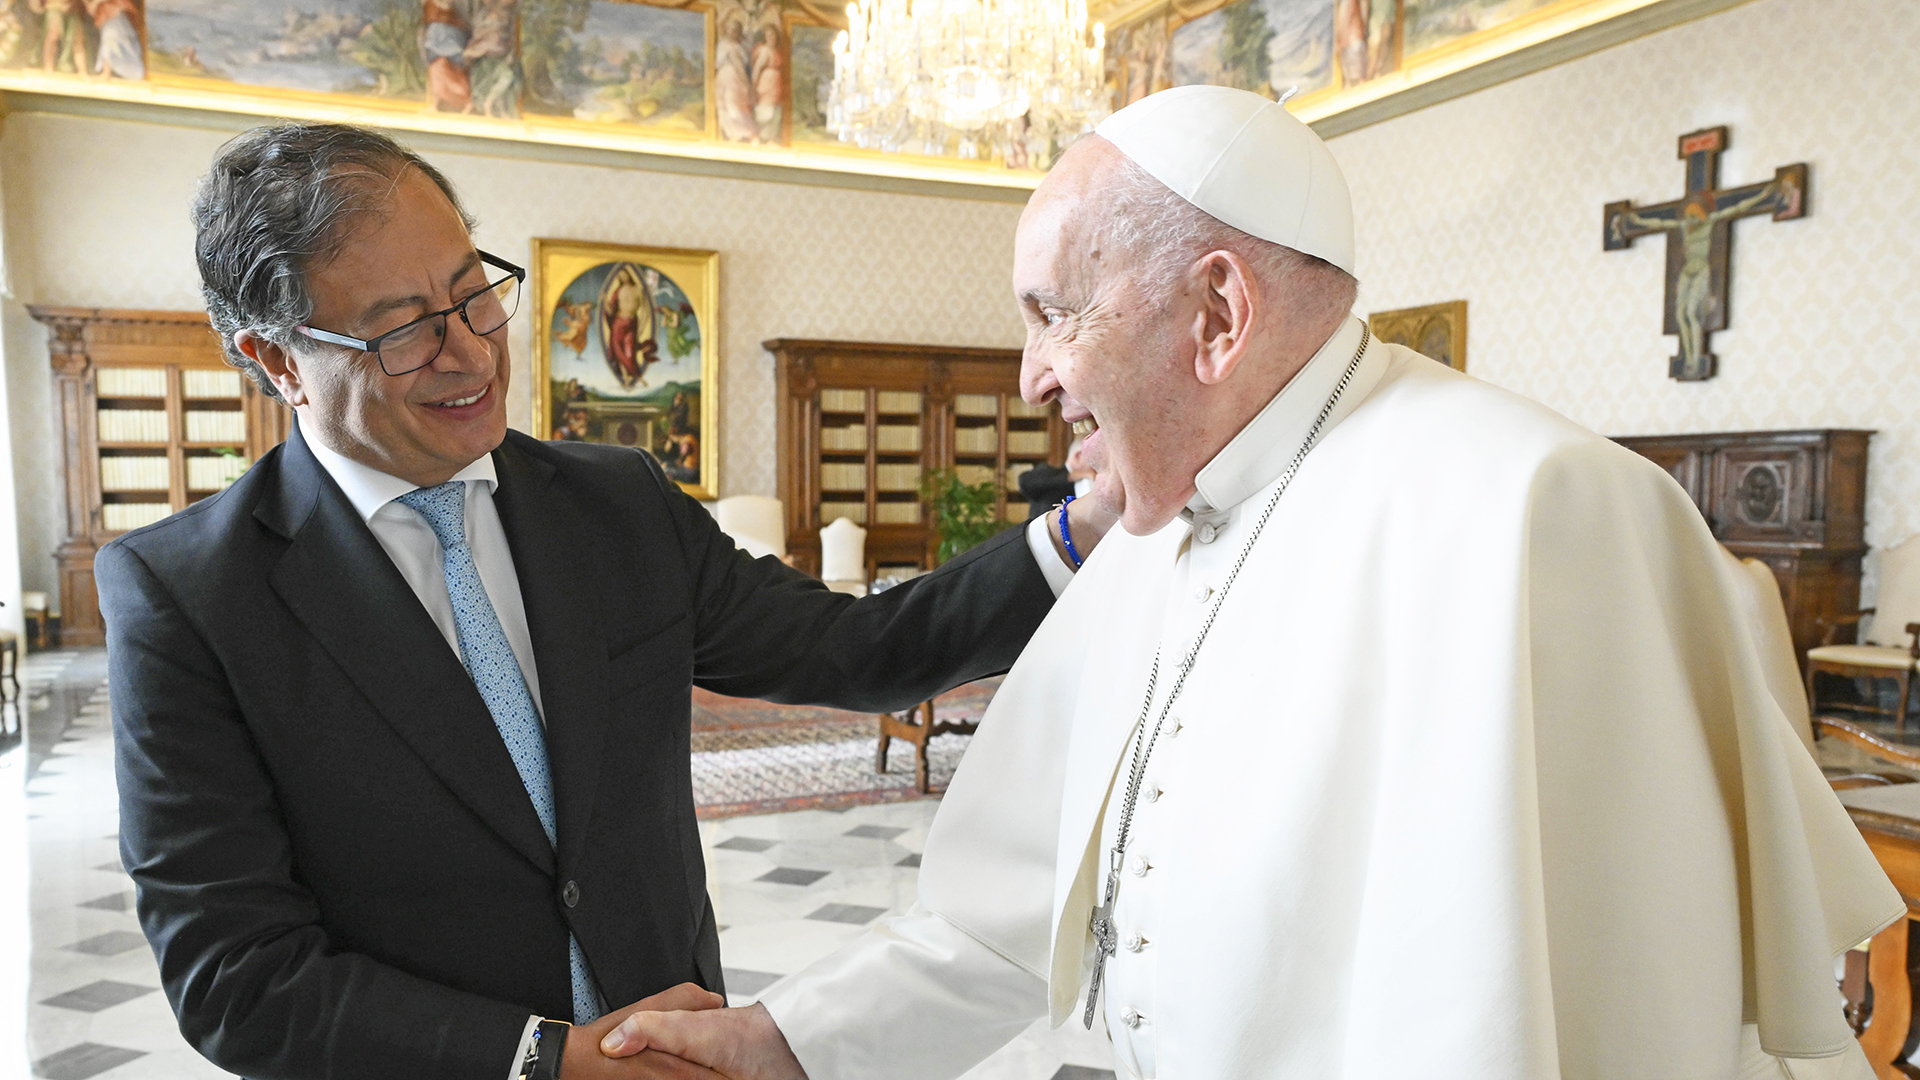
(1105, 349)
(396, 265)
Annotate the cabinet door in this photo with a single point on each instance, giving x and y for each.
(1684, 464)
(1762, 492)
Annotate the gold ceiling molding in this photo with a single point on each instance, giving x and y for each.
(146, 102)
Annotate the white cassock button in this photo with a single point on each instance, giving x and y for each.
(1131, 1018)
(1202, 593)
(1135, 943)
(1177, 725)
(1139, 866)
(1207, 532)
(1153, 794)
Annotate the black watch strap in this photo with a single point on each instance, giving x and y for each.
(551, 1038)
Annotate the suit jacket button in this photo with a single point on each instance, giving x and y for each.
(570, 894)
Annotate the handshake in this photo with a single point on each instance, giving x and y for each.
(684, 1033)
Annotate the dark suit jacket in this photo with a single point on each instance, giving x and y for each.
(337, 865)
(1045, 487)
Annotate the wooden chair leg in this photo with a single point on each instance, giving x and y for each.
(1902, 680)
(880, 755)
(922, 780)
(1813, 697)
(1885, 1035)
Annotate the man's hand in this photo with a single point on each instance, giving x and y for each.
(1086, 521)
(584, 1061)
(744, 1044)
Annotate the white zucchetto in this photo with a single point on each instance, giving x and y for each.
(1244, 159)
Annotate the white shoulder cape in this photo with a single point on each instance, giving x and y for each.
(1501, 793)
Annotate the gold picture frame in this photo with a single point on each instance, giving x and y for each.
(626, 351)
(1438, 331)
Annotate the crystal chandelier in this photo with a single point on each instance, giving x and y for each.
(974, 79)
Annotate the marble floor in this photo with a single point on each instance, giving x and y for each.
(789, 888)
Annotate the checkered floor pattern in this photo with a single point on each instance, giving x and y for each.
(788, 887)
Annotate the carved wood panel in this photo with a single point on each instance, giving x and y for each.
(1795, 500)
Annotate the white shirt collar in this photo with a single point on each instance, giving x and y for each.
(1261, 451)
(369, 489)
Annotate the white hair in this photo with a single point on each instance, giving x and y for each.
(1165, 234)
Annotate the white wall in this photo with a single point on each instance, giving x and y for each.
(1496, 198)
(96, 215)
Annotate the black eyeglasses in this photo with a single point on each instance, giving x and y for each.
(418, 343)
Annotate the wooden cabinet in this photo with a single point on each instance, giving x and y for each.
(152, 419)
(860, 424)
(1795, 500)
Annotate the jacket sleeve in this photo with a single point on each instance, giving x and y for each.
(254, 980)
(766, 630)
(915, 996)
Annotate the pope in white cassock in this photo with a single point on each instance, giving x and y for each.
(1405, 729)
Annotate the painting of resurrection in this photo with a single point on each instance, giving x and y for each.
(625, 352)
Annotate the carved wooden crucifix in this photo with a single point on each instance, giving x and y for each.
(1699, 236)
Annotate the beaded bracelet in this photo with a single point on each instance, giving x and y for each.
(1066, 534)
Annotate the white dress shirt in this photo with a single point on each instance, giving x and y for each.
(409, 541)
(415, 551)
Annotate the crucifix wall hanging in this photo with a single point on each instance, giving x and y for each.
(1699, 237)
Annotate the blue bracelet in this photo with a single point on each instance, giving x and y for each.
(1066, 534)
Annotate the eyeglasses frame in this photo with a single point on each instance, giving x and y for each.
(372, 344)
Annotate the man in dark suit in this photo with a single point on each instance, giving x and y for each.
(402, 717)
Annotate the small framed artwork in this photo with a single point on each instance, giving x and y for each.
(626, 352)
(1436, 330)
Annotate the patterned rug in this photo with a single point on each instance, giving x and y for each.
(752, 757)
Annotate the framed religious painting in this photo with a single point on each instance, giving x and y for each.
(1436, 330)
(625, 352)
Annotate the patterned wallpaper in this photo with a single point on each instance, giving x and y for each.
(1495, 198)
(96, 215)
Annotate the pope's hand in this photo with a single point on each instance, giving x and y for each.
(744, 1044)
(584, 1061)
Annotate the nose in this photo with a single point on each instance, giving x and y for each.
(1038, 384)
(465, 350)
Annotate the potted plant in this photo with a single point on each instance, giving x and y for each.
(964, 515)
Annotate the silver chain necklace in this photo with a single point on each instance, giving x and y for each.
(1105, 935)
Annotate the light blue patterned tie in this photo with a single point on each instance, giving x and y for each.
(496, 673)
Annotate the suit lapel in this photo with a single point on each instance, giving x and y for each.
(547, 536)
(340, 584)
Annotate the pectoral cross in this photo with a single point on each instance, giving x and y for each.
(1699, 239)
(1106, 940)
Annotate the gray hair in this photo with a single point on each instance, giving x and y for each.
(273, 208)
(1165, 234)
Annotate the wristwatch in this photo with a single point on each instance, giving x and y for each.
(544, 1051)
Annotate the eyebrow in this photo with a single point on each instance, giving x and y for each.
(1042, 296)
(397, 303)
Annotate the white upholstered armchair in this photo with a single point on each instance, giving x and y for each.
(1889, 636)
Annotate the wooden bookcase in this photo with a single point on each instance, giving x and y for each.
(861, 423)
(152, 419)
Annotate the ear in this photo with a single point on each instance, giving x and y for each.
(1229, 306)
(282, 365)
